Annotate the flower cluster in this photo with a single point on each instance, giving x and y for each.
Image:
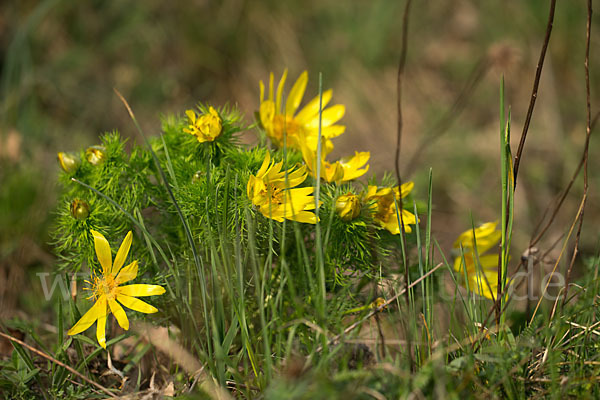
(299, 131)
(280, 186)
(481, 270)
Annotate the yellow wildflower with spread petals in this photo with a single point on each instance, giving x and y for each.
(299, 126)
(275, 195)
(481, 270)
(107, 292)
(206, 127)
(384, 207)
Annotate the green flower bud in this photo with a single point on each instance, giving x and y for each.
(347, 206)
(80, 209)
(68, 161)
(198, 176)
(95, 154)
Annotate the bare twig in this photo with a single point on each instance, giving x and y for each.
(399, 81)
(54, 360)
(561, 198)
(588, 132)
(534, 92)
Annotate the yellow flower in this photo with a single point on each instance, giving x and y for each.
(274, 197)
(481, 270)
(347, 206)
(206, 127)
(301, 126)
(106, 290)
(384, 207)
(346, 169)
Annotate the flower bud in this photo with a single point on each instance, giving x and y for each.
(68, 161)
(332, 172)
(377, 303)
(80, 209)
(206, 127)
(347, 206)
(198, 176)
(95, 154)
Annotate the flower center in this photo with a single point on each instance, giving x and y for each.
(285, 124)
(103, 286)
(272, 192)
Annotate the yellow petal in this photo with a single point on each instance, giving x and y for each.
(353, 167)
(332, 131)
(141, 290)
(267, 113)
(122, 253)
(485, 237)
(489, 262)
(280, 91)
(458, 262)
(296, 94)
(393, 224)
(101, 330)
(309, 111)
(262, 90)
(128, 273)
(191, 116)
(119, 313)
(89, 317)
(264, 166)
(102, 252)
(487, 242)
(371, 192)
(405, 189)
(329, 117)
(484, 284)
(136, 304)
(271, 79)
(305, 217)
(312, 142)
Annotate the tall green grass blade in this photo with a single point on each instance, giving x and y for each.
(318, 240)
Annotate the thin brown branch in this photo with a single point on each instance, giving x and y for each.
(54, 360)
(399, 81)
(561, 198)
(588, 132)
(534, 92)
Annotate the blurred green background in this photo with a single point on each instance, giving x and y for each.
(61, 59)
